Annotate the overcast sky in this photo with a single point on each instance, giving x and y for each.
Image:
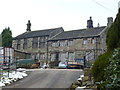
(45, 14)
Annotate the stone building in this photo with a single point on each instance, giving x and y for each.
(58, 45)
(79, 45)
(35, 42)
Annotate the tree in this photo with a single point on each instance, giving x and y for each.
(104, 68)
(113, 35)
(6, 37)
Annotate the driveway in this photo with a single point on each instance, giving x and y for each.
(48, 78)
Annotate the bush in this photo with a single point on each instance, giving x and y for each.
(112, 72)
(27, 66)
(100, 64)
(34, 66)
(107, 61)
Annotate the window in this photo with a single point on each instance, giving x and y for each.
(63, 43)
(90, 55)
(55, 43)
(53, 57)
(42, 56)
(85, 41)
(19, 44)
(71, 56)
(92, 41)
(42, 39)
(63, 56)
(25, 44)
(42, 42)
(35, 42)
(70, 42)
(46, 38)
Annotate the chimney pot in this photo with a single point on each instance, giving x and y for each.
(109, 21)
(28, 26)
(90, 23)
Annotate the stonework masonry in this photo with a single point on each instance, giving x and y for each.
(56, 44)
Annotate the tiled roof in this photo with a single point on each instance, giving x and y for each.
(38, 33)
(81, 33)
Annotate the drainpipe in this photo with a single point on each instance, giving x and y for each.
(9, 63)
(84, 62)
(96, 49)
(47, 54)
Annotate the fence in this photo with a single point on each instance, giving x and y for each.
(0, 40)
(7, 60)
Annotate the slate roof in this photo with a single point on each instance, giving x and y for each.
(81, 33)
(38, 33)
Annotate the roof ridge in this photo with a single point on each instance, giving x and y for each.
(85, 29)
(81, 33)
(37, 33)
(46, 29)
(75, 30)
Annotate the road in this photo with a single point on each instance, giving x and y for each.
(48, 78)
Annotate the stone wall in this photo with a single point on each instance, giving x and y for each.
(89, 48)
(84, 47)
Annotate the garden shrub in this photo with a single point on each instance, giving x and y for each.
(112, 72)
(100, 64)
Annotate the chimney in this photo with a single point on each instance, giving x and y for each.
(28, 26)
(90, 23)
(109, 21)
(118, 5)
(98, 25)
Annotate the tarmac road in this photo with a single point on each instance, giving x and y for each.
(48, 78)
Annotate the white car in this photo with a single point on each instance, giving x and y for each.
(62, 65)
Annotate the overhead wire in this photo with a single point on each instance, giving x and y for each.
(102, 6)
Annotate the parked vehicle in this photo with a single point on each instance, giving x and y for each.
(62, 65)
(25, 63)
(74, 66)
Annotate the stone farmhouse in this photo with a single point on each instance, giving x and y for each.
(35, 42)
(58, 45)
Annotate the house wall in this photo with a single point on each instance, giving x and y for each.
(88, 48)
(37, 52)
(39, 49)
(103, 38)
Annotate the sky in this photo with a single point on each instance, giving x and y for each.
(46, 14)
